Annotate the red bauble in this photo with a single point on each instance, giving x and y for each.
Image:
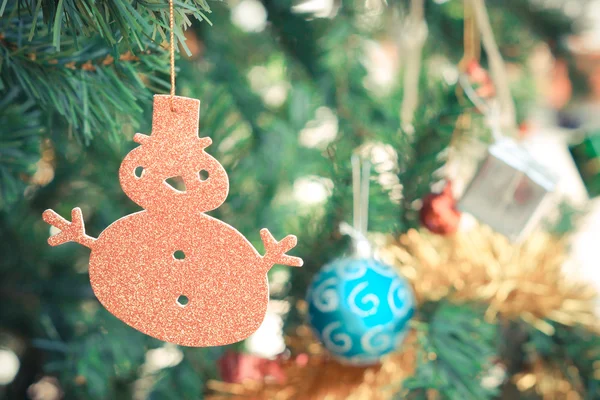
(240, 367)
(560, 88)
(480, 79)
(439, 213)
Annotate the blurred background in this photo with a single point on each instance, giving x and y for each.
(472, 127)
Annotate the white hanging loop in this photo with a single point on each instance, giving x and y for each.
(412, 39)
(497, 68)
(499, 112)
(467, 88)
(494, 120)
(361, 171)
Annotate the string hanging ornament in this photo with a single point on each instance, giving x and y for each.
(171, 271)
(510, 190)
(412, 39)
(358, 306)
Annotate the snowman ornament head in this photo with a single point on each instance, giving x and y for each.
(172, 271)
(174, 150)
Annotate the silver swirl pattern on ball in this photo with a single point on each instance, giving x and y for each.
(376, 340)
(353, 271)
(381, 269)
(364, 300)
(332, 340)
(324, 296)
(402, 293)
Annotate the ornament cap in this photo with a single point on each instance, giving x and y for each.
(361, 247)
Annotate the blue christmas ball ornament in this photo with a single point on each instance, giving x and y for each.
(359, 308)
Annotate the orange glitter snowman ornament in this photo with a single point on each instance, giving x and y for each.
(172, 271)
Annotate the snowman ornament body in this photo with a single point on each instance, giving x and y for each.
(171, 271)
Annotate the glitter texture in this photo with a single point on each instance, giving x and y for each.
(134, 271)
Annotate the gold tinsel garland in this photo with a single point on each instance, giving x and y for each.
(323, 378)
(549, 381)
(523, 281)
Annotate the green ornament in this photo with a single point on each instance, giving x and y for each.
(586, 155)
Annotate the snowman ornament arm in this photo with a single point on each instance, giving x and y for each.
(275, 251)
(73, 231)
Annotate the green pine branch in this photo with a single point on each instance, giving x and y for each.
(19, 144)
(574, 350)
(116, 21)
(93, 88)
(457, 352)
